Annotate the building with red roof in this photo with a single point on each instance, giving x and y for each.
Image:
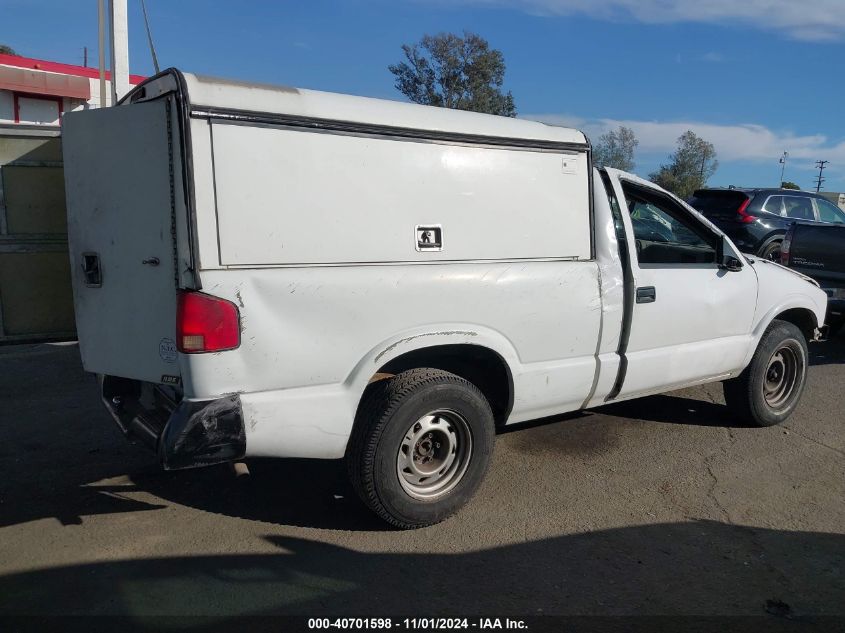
(37, 92)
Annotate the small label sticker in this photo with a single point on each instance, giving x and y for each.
(429, 238)
(167, 350)
(170, 380)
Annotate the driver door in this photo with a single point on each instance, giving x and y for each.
(690, 320)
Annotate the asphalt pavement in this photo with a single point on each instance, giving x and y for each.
(665, 505)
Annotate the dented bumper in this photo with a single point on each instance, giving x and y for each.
(203, 432)
(184, 434)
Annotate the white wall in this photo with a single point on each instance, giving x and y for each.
(94, 101)
(69, 104)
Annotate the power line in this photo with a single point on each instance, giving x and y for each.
(821, 164)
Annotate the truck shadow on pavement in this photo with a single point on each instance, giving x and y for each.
(63, 458)
(699, 567)
(295, 492)
(670, 409)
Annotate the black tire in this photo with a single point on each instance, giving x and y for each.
(769, 389)
(385, 425)
(771, 251)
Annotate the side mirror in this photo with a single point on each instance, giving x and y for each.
(726, 259)
(731, 264)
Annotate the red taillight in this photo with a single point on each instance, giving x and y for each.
(744, 216)
(786, 245)
(206, 324)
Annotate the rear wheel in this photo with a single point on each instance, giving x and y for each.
(769, 389)
(421, 446)
(771, 251)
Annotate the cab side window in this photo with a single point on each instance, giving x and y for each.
(665, 233)
(799, 208)
(829, 212)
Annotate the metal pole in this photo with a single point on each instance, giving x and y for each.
(783, 166)
(150, 37)
(119, 43)
(101, 46)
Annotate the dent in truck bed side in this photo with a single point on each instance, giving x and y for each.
(315, 336)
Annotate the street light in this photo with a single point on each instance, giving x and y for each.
(783, 166)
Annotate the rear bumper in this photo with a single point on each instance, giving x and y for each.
(836, 305)
(187, 434)
(835, 300)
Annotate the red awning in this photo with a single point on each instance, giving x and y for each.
(44, 83)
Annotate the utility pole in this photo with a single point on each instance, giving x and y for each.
(783, 167)
(85, 56)
(119, 44)
(101, 48)
(821, 164)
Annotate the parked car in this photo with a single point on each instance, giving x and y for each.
(756, 220)
(818, 251)
(266, 271)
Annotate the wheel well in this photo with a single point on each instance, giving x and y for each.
(479, 365)
(776, 237)
(802, 318)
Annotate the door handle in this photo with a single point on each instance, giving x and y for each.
(646, 294)
(91, 271)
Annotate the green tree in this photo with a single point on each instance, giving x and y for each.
(7, 50)
(788, 184)
(616, 149)
(689, 168)
(450, 71)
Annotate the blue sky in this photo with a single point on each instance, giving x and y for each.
(754, 77)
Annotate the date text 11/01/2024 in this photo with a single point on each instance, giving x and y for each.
(356, 624)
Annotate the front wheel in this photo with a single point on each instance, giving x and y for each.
(420, 447)
(769, 389)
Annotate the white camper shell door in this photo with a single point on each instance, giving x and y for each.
(120, 218)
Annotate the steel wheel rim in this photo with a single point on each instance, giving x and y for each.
(434, 454)
(781, 377)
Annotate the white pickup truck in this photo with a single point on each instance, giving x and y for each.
(267, 271)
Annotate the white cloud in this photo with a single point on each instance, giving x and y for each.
(815, 20)
(713, 57)
(741, 142)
